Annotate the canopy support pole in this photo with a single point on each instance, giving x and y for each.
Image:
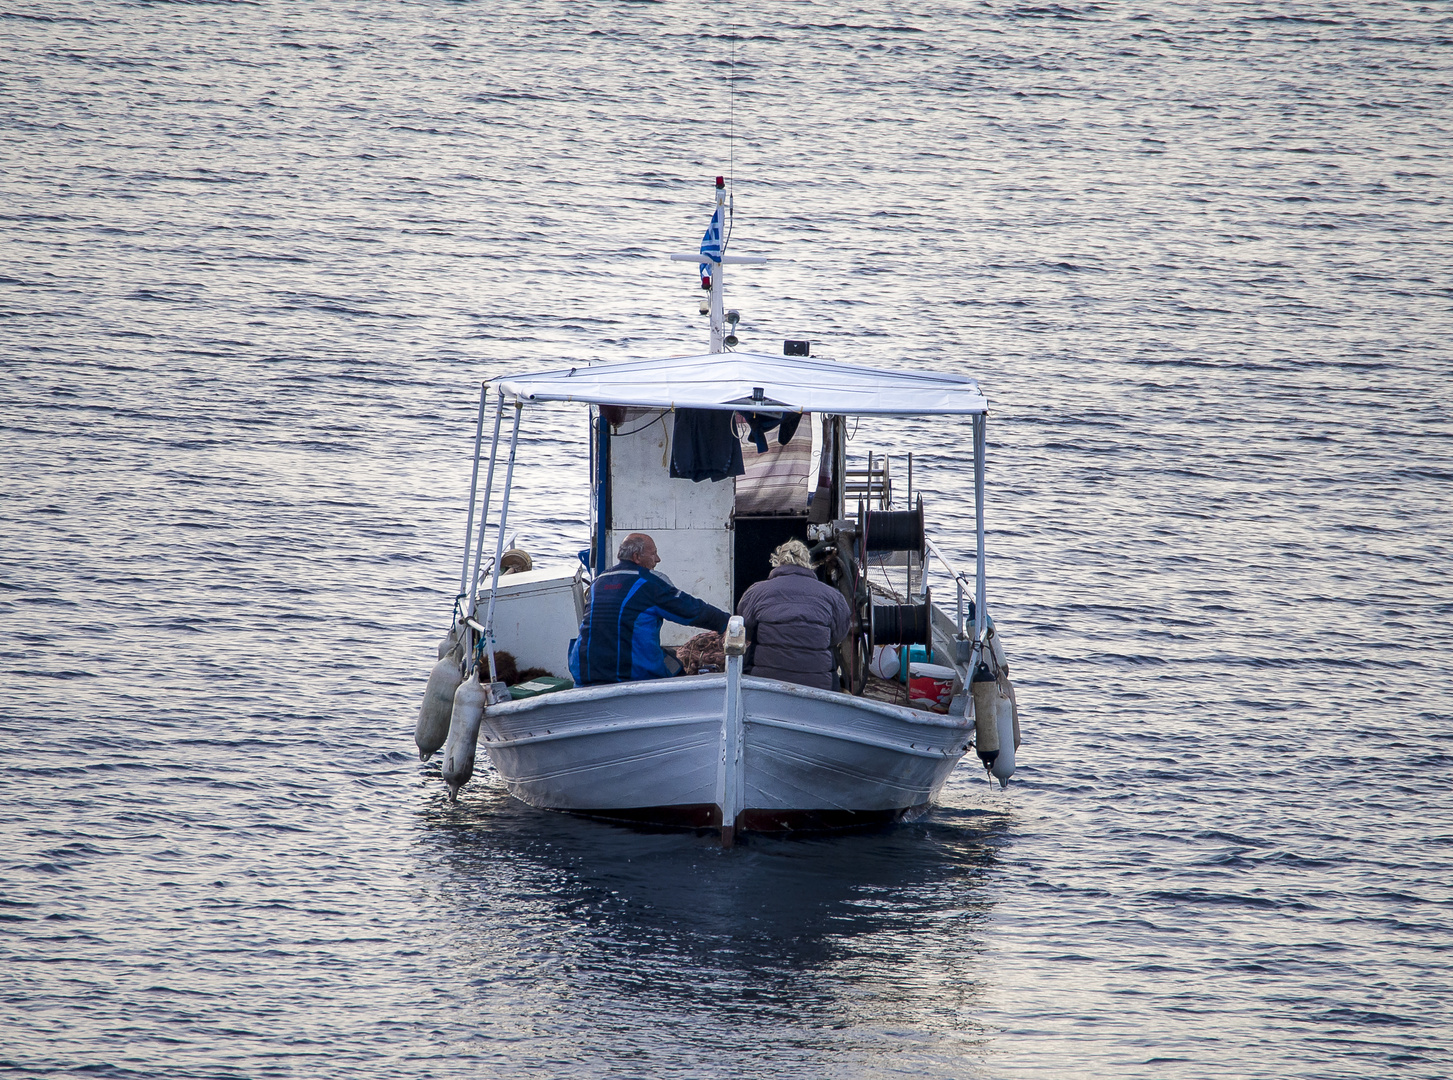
(483, 526)
(499, 541)
(473, 488)
(484, 506)
(980, 614)
(601, 555)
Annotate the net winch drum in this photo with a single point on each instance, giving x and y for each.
(902, 624)
(894, 530)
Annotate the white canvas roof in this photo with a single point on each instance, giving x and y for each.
(727, 381)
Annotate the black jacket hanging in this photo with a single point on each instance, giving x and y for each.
(705, 445)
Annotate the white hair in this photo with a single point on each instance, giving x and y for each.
(792, 553)
(633, 547)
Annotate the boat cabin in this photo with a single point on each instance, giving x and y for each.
(714, 535)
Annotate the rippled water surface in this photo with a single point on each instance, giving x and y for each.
(256, 260)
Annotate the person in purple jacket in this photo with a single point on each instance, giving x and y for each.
(793, 621)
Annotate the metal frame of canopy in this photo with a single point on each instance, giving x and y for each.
(469, 581)
(753, 381)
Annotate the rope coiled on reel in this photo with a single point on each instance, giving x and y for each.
(901, 624)
(895, 530)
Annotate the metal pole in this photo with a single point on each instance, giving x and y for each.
(473, 486)
(840, 466)
(499, 543)
(729, 787)
(979, 613)
(600, 557)
(908, 555)
(484, 508)
(718, 321)
(592, 478)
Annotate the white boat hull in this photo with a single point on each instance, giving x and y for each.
(659, 752)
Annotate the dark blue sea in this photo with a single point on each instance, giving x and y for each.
(255, 260)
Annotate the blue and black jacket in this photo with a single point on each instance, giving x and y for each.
(620, 639)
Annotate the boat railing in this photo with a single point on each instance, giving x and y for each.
(963, 583)
(872, 483)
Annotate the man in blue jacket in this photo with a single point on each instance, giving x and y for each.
(620, 637)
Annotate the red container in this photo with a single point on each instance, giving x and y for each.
(930, 686)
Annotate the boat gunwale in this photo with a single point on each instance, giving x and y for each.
(911, 749)
(607, 691)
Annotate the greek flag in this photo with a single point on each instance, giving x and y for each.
(711, 244)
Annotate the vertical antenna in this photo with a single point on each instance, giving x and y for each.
(731, 144)
(732, 116)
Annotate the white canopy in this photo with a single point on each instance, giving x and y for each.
(731, 381)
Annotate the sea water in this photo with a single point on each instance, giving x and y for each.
(257, 260)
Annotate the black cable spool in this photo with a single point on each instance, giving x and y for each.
(895, 530)
(902, 624)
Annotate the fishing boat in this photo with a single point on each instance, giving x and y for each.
(920, 679)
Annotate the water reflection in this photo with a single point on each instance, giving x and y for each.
(832, 940)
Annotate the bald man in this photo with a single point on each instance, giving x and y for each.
(620, 637)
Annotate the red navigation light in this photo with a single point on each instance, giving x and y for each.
(721, 181)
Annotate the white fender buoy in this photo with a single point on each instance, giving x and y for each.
(1003, 765)
(438, 705)
(450, 643)
(986, 720)
(464, 722)
(1014, 703)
